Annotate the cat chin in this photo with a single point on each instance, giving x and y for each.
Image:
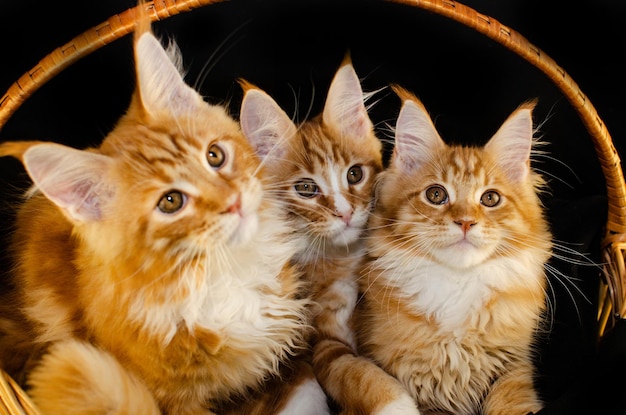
(340, 234)
(345, 237)
(244, 231)
(464, 255)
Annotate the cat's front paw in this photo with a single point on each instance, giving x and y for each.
(308, 399)
(404, 405)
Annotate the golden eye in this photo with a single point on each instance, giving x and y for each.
(355, 174)
(306, 188)
(437, 195)
(172, 201)
(215, 156)
(490, 198)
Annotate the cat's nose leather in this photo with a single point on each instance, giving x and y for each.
(345, 216)
(234, 207)
(465, 224)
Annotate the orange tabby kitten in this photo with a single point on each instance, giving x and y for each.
(454, 285)
(324, 169)
(154, 271)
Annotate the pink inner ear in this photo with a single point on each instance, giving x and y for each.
(265, 124)
(80, 199)
(72, 179)
(345, 108)
(512, 143)
(416, 138)
(160, 83)
(360, 124)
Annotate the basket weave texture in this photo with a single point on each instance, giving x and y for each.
(612, 302)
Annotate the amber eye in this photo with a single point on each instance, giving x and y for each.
(437, 195)
(172, 201)
(355, 174)
(215, 156)
(490, 198)
(306, 188)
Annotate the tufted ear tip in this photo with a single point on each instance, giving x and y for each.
(160, 83)
(415, 135)
(511, 145)
(345, 109)
(246, 85)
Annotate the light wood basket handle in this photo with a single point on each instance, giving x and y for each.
(613, 296)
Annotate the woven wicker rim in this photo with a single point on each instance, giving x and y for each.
(14, 401)
(613, 295)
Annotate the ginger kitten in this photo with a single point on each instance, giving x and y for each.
(324, 170)
(153, 272)
(453, 291)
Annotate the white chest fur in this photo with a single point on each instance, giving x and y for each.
(456, 298)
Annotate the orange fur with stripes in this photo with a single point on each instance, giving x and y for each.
(453, 291)
(324, 169)
(153, 272)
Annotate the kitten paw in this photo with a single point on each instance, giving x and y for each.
(404, 405)
(74, 374)
(309, 399)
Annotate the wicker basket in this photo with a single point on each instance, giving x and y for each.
(612, 302)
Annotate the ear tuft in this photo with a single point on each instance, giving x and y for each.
(160, 83)
(345, 108)
(511, 145)
(416, 138)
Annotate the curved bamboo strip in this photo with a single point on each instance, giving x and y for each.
(93, 39)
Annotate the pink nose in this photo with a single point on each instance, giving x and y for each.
(346, 216)
(235, 207)
(465, 224)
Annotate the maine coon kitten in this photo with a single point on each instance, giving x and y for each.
(154, 271)
(324, 169)
(454, 286)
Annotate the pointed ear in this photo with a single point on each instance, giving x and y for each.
(416, 138)
(72, 179)
(344, 108)
(512, 143)
(159, 81)
(264, 123)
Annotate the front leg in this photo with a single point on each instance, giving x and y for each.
(76, 377)
(357, 384)
(294, 391)
(513, 393)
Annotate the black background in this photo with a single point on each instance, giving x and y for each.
(291, 49)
